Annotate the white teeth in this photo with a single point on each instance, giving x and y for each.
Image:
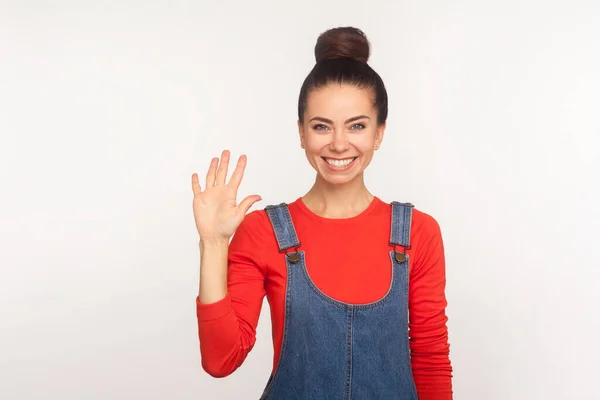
(339, 163)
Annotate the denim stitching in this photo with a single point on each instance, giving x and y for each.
(274, 218)
(349, 339)
(291, 227)
(279, 215)
(402, 220)
(407, 224)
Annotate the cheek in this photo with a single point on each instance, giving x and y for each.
(316, 143)
(364, 143)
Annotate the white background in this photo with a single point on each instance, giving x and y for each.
(107, 108)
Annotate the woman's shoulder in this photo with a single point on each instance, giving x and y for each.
(258, 221)
(256, 231)
(253, 233)
(423, 223)
(425, 220)
(255, 220)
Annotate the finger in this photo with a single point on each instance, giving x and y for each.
(245, 205)
(212, 170)
(195, 184)
(222, 170)
(238, 174)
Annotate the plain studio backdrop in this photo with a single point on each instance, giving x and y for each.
(107, 108)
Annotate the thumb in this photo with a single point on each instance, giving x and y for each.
(245, 205)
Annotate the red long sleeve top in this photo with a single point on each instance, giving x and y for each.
(348, 259)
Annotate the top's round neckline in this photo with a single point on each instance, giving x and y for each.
(357, 218)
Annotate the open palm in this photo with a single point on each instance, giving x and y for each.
(216, 211)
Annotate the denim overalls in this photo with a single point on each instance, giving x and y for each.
(339, 351)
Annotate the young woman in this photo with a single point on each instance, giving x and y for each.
(355, 285)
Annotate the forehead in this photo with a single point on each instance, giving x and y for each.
(339, 100)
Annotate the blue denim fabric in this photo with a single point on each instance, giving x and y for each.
(333, 350)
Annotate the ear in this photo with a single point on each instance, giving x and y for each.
(379, 133)
(301, 131)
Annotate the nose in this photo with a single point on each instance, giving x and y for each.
(339, 142)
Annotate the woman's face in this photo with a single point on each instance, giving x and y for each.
(340, 131)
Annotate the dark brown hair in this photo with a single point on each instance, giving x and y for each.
(341, 55)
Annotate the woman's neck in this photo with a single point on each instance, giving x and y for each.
(338, 201)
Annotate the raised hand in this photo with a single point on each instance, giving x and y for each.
(216, 212)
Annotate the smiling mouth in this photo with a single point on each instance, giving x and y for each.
(339, 163)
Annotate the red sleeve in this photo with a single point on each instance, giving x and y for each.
(227, 328)
(429, 346)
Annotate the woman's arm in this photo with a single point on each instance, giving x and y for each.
(227, 324)
(429, 346)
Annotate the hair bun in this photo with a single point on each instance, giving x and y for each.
(343, 42)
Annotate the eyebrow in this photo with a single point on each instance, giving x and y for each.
(328, 121)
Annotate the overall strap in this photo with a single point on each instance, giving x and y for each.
(283, 226)
(401, 222)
